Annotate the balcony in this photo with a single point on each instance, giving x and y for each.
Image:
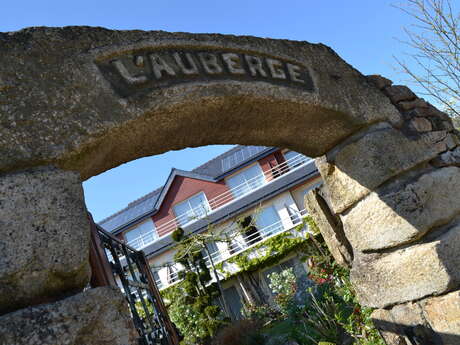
(240, 245)
(144, 240)
(256, 183)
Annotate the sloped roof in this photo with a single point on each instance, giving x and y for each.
(172, 175)
(134, 211)
(213, 167)
(150, 203)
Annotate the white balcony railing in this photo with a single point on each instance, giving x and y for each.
(244, 243)
(221, 200)
(144, 240)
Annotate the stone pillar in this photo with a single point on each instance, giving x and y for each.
(396, 192)
(44, 265)
(94, 317)
(330, 226)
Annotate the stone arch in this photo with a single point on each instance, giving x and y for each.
(78, 101)
(88, 116)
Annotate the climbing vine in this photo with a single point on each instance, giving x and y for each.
(274, 249)
(269, 252)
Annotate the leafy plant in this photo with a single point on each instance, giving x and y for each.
(261, 313)
(330, 311)
(190, 301)
(283, 285)
(283, 282)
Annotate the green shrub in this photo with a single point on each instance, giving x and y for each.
(177, 234)
(329, 311)
(263, 314)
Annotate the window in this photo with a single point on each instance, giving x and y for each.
(251, 234)
(142, 234)
(294, 159)
(268, 221)
(240, 156)
(246, 181)
(234, 302)
(192, 209)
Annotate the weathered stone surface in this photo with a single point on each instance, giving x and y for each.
(44, 233)
(448, 125)
(443, 314)
(95, 317)
(452, 141)
(379, 81)
(428, 111)
(355, 169)
(409, 105)
(403, 211)
(448, 158)
(398, 93)
(403, 325)
(388, 329)
(434, 320)
(89, 114)
(421, 124)
(408, 274)
(330, 227)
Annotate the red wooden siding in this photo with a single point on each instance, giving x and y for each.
(181, 189)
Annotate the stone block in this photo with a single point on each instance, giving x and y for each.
(379, 81)
(448, 125)
(95, 317)
(443, 315)
(398, 93)
(408, 274)
(448, 158)
(409, 105)
(421, 124)
(388, 329)
(403, 324)
(330, 227)
(452, 141)
(45, 237)
(355, 169)
(433, 320)
(429, 111)
(403, 211)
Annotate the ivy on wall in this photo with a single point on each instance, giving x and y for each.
(271, 251)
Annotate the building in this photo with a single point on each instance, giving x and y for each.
(266, 183)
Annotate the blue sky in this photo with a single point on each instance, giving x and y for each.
(362, 32)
